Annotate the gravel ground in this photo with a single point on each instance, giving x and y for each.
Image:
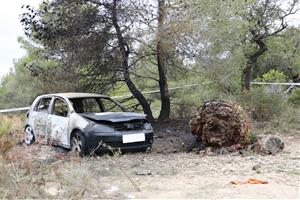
(171, 170)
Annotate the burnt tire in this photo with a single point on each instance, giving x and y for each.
(79, 144)
(29, 138)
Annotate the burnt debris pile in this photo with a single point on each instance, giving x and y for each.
(221, 123)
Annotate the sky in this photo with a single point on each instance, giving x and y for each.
(10, 29)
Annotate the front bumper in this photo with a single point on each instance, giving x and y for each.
(111, 142)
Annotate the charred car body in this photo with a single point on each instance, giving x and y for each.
(86, 123)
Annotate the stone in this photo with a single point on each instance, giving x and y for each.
(143, 173)
(257, 168)
(268, 144)
(52, 188)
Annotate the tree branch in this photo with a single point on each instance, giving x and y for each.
(148, 77)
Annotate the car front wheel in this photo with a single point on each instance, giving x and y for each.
(28, 136)
(78, 144)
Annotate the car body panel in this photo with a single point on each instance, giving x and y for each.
(58, 127)
(40, 123)
(114, 116)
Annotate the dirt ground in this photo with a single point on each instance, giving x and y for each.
(173, 169)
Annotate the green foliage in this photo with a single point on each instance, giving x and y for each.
(272, 76)
(185, 103)
(19, 87)
(78, 49)
(294, 98)
(288, 120)
(282, 55)
(207, 41)
(252, 138)
(297, 65)
(263, 105)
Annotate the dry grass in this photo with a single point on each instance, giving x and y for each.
(41, 171)
(11, 132)
(11, 129)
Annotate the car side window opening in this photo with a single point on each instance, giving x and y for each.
(60, 108)
(43, 105)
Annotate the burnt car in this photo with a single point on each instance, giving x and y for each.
(86, 123)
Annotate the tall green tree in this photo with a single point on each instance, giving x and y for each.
(75, 36)
(90, 38)
(230, 27)
(263, 19)
(19, 87)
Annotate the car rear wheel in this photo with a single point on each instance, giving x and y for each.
(29, 136)
(78, 144)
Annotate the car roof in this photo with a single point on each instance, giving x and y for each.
(74, 95)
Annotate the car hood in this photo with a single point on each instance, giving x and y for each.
(113, 116)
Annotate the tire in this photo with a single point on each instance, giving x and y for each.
(29, 138)
(79, 144)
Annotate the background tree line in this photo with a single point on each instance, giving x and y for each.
(118, 46)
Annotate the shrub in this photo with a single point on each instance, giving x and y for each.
(186, 102)
(11, 130)
(5, 125)
(289, 119)
(272, 76)
(184, 109)
(294, 98)
(262, 105)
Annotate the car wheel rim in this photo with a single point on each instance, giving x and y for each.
(28, 135)
(76, 144)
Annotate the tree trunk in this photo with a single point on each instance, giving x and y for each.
(247, 77)
(251, 60)
(138, 95)
(125, 54)
(160, 47)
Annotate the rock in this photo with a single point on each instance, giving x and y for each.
(143, 172)
(268, 144)
(52, 188)
(221, 151)
(257, 168)
(175, 151)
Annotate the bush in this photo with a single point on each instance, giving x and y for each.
(186, 102)
(272, 76)
(5, 126)
(275, 76)
(289, 119)
(294, 98)
(262, 105)
(186, 108)
(11, 130)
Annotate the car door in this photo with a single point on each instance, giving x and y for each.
(58, 122)
(40, 115)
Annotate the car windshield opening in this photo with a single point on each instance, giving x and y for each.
(95, 105)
